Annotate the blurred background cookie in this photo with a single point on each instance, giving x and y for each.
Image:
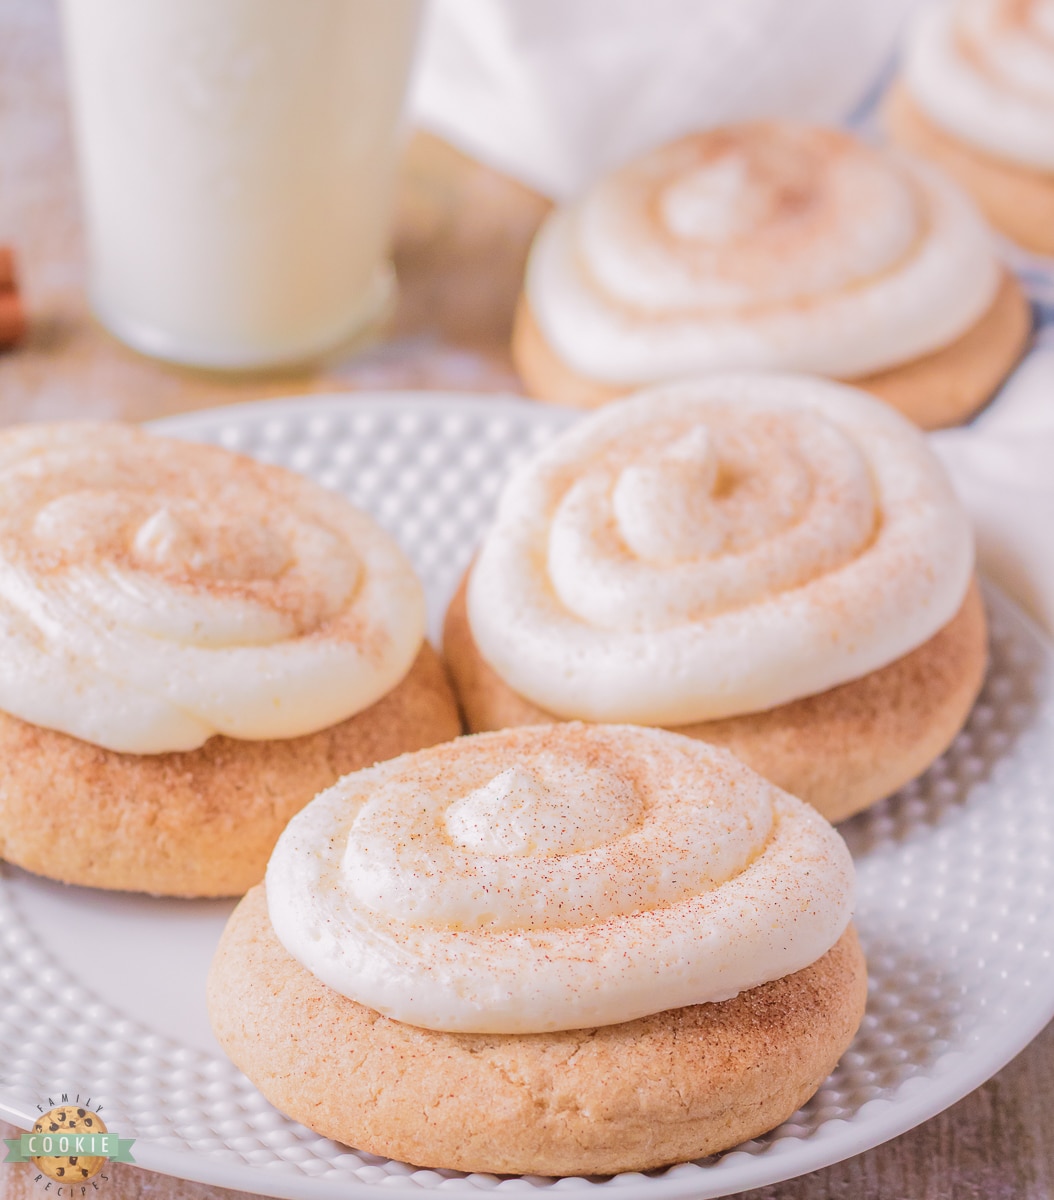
(976, 96)
(772, 246)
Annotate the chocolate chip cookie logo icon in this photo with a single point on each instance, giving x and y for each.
(70, 1145)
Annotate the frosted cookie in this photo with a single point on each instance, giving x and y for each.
(562, 950)
(776, 564)
(771, 246)
(192, 644)
(976, 95)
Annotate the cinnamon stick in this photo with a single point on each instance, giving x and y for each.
(8, 279)
(12, 314)
(12, 319)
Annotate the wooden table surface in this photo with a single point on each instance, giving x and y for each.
(461, 237)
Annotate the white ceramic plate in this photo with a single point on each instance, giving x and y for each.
(101, 993)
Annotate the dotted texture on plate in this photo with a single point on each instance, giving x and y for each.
(955, 880)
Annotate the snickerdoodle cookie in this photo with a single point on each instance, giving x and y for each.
(976, 96)
(771, 246)
(193, 644)
(773, 563)
(562, 950)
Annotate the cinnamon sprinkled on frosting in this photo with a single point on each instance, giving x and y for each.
(717, 547)
(984, 71)
(769, 245)
(154, 592)
(556, 878)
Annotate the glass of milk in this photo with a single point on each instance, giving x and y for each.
(237, 163)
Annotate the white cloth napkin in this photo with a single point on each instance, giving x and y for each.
(1003, 468)
(554, 92)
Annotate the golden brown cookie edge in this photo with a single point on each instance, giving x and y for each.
(666, 1088)
(201, 822)
(1017, 200)
(841, 750)
(935, 390)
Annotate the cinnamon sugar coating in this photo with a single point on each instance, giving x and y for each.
(1017, 199)
(841, 750)
(200, 822)
(681, 1084)
(936, 390)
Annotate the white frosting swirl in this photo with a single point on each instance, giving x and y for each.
(770, 246)
(556, 878)
(983, 70)
(154, 592)
(716, 547)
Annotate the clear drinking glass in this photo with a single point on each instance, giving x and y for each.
(237, 163)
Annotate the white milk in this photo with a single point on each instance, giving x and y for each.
(237, 161)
